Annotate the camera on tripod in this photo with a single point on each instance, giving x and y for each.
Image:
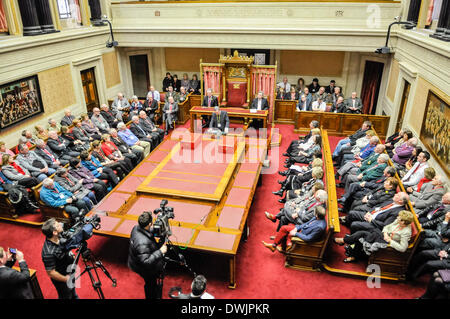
(161, 226)
(81, 231)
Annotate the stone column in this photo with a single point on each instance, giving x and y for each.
(443, 27)
(45, 16)
(413, 13)
(96, 13)
(30, 20)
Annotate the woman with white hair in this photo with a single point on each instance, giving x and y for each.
(136, 106)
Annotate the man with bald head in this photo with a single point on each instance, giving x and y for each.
(99, 121)
(353, 105)
(60, 146)
(119, 105)
(67, 118)
(150, 127)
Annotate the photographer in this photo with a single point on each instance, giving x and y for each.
(198, 287)
(13, 283)
(146, 256)
(57, 259)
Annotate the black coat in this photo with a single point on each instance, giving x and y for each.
(144, 256)
(436, 218)
(14, 284)
(214, 101)
(264, 104)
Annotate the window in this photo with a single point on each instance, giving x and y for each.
(3, 22)
(69, 13)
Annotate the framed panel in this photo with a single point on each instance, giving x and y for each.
(435, 127)
(331, 123)
(19, 100)
(351, 123)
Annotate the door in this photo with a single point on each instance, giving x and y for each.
(139, 75)
(373, 73)
(90, 89)
(403, 103)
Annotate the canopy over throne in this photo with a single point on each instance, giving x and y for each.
(235, 80)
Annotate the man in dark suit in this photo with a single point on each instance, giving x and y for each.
(48, 155)
(339, 106)
(330, 88)
(13, 283)
(150, 127)
(170, 114)
(167, 81)
(209, 101)
(60, 146)
(259, 103)
(67, 119)
(150, 107)
(353, 104)
(219, 122)
(141, 133)
(134, 154)
(108, 116)
(304, 104)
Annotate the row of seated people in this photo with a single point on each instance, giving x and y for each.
(109, 153)
(319, 98)
(371, 202)
(192, 85)
(304, 211)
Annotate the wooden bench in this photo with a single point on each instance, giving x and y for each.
(310, 255)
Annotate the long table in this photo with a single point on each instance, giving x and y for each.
(235, 112)
(211, 200)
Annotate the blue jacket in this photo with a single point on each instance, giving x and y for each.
(366, 151)
(5, 179)
(93, 166)
(55, 197)
(128, 137)
(312, 230)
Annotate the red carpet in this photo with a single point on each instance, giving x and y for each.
(260, 273)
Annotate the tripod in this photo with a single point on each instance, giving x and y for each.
(91, 264)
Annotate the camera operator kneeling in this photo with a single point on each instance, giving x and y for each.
(57, 260)
(146, 256)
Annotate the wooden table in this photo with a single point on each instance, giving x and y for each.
(237, 112)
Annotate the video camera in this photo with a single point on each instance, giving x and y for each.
(81, 231)
(161, 226)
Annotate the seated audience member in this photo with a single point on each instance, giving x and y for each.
(141, 132)
(351, 140)
(362, 142)
(434, 221)
(319, 105)
(113, 152)
(393, 139)
(176, 83)
(330, 88)
(339, 106)
(45, 152)
(171, 93)
(353, 105)
(299, 213)
(89, 181)
(194, 85)
(410, 162)
(285, 85)
(73, 143)
(170, 114)
(260, 102)
(314, 86)
(150, 107)
(292, 94)
(67, 118)
(296, 182)
(53, 126)
(150, 127)
(310, 231)
(438, 287)
(33, 163)
(356, 149)
(300, 85)
(89, 127)
(335, 95)
(358, 190)
(99, 121)
(167, 81)
(120, 167)
(154, 94)
(135, 153)
(378, 217)
(14, 284)
(128, 137)
(372, 172)
(54, 195)
(377, 197)
(360, 155)
(430, 194)
(294, 144)
(4, 150)
(22, 141)
(119, 106)
(29, 136)
(429, 174)
(432, 215)
(183, 94)
(14, 172)
(303, 172)
(208, 101)
(403, 152)
(185, 83)
(365, 242)
(108, 116)
(306, 156)
(198, 287)
(309, 96)
(304, 104)
(321, 94)
(416, 173)
(75, 186)
(79, 133)
(297, 196)
(97, 169)
(41, 132)
(136, 106)
(281, 95)
(220, 123)
(18, 196)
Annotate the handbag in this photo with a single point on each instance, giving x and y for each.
(445, 275)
